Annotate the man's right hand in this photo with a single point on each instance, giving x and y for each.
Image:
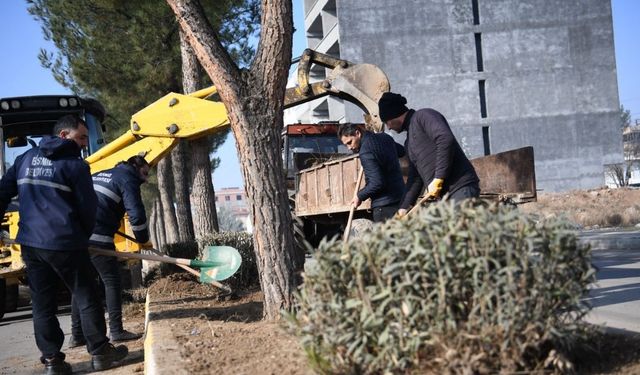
(401, 213)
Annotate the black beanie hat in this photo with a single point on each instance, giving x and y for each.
(391, 105)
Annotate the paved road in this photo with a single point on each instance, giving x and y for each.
(18, 352)
(616, 295)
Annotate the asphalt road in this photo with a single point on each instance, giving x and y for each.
(18, 352)
(615, 297)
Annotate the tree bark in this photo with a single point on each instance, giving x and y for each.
(153, 233)
(254, 102)
(168, 212)
(181, 178)
(162, 237)
(203, 203)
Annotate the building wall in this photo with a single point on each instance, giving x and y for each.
(505, 73)
(234, 200)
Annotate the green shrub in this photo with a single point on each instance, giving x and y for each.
(466, 289)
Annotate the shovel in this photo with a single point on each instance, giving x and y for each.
(220, 262)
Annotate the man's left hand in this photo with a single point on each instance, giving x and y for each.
(356, 202)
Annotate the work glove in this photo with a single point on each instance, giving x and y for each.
(435, 187)
(400, 214)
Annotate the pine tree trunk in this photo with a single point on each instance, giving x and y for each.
(168, 212)
(153, 223)
(203, 203)
(254, 100)
(203, 197)
(162, 237)
(181, 178)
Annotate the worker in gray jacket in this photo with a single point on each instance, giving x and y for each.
(436, 158)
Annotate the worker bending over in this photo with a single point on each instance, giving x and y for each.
(435, 156)
(378, 154)
(118, 191)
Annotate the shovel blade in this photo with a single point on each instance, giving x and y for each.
(227, 257)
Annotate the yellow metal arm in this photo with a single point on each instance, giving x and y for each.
(156, 129)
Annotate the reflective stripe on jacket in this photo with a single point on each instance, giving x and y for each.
(118, 191)
(57, 202)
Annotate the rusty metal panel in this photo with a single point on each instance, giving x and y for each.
(507, 176)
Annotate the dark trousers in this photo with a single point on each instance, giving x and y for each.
(384, 213)
(109, 270)
(465, 192)
(44, 267)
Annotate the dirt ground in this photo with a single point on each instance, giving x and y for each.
(226, 334)
(591, 209)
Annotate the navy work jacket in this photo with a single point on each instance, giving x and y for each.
(379, 158)
(57, 204)
(118, 191)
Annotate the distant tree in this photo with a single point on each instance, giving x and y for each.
(625, 117)
(228, 222)
(127, 54)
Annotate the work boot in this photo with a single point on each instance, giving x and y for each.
(124, 335)
(108, 356)
(74, 342)
(56, 366)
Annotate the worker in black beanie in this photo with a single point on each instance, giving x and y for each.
(434, 154)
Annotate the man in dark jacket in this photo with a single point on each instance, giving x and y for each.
(435, 156)
(118, 191)
(378, 154)
(57, 214)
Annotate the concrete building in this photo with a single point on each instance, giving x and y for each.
(234, 201)
(505, 73)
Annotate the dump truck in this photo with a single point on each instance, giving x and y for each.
(322, 175)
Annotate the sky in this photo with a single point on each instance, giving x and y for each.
(21, 73)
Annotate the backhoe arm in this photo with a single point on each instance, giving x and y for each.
(360, 84)
(156, 129)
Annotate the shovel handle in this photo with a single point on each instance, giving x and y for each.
(347, 230)
(157, 252)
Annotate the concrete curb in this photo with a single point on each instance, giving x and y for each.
(161, 349)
